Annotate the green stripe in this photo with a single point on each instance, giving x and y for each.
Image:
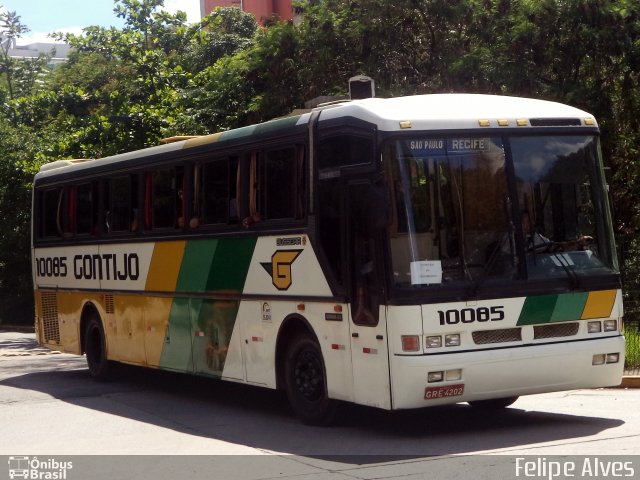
(569, 307)
(207, 266)
(176, 353)
(537, 310)
(231, 265)
(552, 308)
(196, 265)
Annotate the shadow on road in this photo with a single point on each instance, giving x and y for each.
(260, 418)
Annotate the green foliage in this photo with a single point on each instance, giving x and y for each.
(126, 88)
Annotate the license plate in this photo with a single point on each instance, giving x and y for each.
(445, 391)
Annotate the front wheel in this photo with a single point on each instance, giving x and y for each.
(96, 349)
(494, 403)
(306, 383)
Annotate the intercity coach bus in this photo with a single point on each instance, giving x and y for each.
(398, 253)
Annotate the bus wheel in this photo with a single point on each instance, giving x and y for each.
(494, 403)
(95, 348)
(305, 382)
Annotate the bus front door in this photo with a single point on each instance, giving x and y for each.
(367, 323)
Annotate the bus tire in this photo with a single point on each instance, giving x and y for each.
(95, 347)
(306, 382)
(494, 403)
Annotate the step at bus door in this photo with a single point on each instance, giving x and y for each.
(367, 322)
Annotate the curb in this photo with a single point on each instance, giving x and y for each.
(630, 382)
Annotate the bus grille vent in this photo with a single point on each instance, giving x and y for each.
(553, 331)
(503, 335)
(51, 327)
(108, 304)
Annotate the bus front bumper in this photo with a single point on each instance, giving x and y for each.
(505, 372)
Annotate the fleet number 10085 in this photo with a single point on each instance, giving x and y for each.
(470, 315)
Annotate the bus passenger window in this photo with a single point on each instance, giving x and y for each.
(163, 198)
(50, 201)
(276, 186)
(216, 185)
(86, 208)
(119, 215)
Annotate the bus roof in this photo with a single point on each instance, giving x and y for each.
(451, 111)
(421, 112)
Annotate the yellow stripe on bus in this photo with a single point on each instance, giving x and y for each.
(599, 304)
(165, 266)
(204, 140)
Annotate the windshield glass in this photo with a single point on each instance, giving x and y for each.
(454, 222)
(450, 219)
(564, 215)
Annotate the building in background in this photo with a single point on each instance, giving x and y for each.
(58, 51)
(263, 10)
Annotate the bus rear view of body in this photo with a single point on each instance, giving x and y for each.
(398, 253)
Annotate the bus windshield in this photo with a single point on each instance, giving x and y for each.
(454, 219)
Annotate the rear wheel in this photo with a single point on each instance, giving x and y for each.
(494, 403)
(96, 348)
(306, 382)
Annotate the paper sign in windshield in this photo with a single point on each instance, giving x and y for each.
(426, 272)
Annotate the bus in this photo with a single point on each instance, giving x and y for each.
(398, 253)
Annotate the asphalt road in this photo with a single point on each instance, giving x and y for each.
(51, 408)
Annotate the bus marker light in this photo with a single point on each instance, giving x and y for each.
(434, 341)
(335, 346)
(337, 308)
(406, 124)
(453, 375)
(199, 333)
(373, 351)
(594, 327)
(410, 343)
(589, 121)
(503, 122)
(435, 377)
(613, 357)
(521, 122)
(610, 325)
(484, 123)
(598, 359)
(301, 307)
(256, 339)
(452, 340)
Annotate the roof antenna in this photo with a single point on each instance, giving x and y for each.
(361, 87)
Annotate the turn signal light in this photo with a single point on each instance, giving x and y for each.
(410, 343)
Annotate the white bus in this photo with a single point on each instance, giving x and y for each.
(398, 253)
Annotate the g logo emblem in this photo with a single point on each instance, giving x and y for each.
(280, 268)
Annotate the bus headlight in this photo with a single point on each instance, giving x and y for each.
(434, 341)
(594, 327)
(610, 325)
(452, 340)
(435, 377)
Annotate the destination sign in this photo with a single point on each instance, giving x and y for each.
(453, 146)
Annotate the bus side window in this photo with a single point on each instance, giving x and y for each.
(119, 214)
(49, 212)
(276, 184)
(335, 152)
(216, 195)
(86, 208)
